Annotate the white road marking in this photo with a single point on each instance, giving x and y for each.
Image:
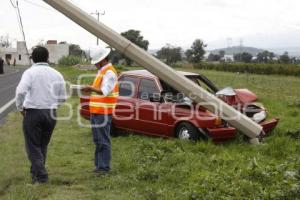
(11, 73)
(7, 105)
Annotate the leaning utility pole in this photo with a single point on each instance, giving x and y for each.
(163, 71)
(98, 18)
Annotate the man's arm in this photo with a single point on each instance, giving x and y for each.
(108, 83)
(107, 86)
(89, 89)
(23, 88)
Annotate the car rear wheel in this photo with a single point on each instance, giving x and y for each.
(187, 131)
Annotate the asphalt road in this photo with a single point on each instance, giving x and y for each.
(8, 84)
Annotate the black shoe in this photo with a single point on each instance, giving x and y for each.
(96, 171)
(39, 181)
(100, 172)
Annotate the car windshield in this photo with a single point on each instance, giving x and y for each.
(198, 79)
(171, 94)
(204, 83)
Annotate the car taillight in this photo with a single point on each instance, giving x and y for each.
(218, 121)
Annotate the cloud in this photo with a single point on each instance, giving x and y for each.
(218, 3)
(170, 21)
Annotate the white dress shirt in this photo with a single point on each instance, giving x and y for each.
(41, 87)
(109, 81)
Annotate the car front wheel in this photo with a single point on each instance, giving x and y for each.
(187, 131)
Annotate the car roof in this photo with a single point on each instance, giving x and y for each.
(146, 73)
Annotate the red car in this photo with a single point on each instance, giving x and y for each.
(149, 106)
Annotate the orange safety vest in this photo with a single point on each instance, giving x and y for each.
(100, 104)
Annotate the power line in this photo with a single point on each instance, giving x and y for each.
(98, 18)
(17, 9)
(13, 5)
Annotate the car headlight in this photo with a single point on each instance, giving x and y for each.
(258, 117)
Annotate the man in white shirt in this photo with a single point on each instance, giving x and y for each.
(103, 99)
(38, 95)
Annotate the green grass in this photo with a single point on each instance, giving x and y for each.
(154, 168)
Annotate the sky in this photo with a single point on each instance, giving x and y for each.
(257, 23)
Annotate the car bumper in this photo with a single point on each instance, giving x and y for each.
(220, 135)
(85, 114)
(269, 125)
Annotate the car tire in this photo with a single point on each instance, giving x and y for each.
(187, 131)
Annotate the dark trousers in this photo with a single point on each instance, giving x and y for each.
(1, 66)
(38, 125)
(101, 136)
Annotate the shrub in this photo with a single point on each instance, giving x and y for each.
(253, 68)
(70, 60)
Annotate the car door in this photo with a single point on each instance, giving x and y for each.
(124, 116)
(147, 117)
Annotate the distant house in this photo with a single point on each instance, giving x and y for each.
(228, 58)
(18, 55)
(205, 56)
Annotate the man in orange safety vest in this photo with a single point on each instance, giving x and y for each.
(103, 98)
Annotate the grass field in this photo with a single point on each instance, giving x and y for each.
(154, 168)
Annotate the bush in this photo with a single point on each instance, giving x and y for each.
(253, 68)
(70, 60)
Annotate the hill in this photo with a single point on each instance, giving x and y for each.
(293, 51)
(237, 49)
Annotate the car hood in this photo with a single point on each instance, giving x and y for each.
(236, 96)
(245, 96)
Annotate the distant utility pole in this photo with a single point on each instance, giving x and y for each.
(98, 18)
(229, 42)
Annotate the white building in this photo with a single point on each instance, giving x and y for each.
(18, 55)
(57, 51)
(228, 58)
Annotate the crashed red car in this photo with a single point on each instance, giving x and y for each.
(149, 106)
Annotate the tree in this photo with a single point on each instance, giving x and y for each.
(293, 60)
(196, 52)
(284, 58)
(265, 56)
(169, 54)
(115, 56)
(214, 57)
(135, 37)
(75, 50)
(243, 57)
(5, 41)
(222, 53)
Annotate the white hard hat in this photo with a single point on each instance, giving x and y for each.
(99, 55)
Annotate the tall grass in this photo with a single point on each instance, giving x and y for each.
(154, 168)
(70, 60)
(252, 68)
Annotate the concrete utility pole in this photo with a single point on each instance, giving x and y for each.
(163, 71)
(98, 18)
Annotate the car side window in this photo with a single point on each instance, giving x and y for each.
(127, 86)
(148, 88)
